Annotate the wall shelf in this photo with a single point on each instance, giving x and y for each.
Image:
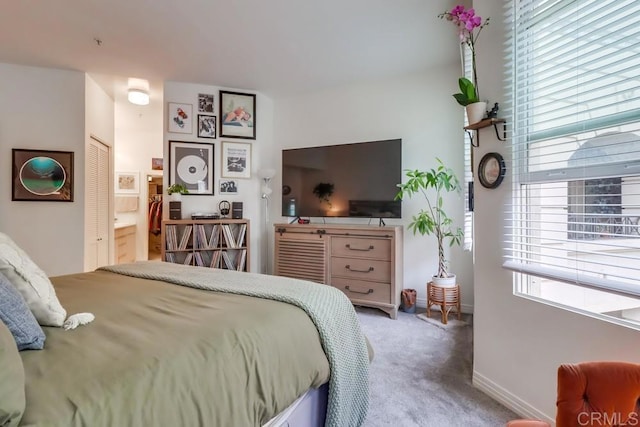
(486, 123)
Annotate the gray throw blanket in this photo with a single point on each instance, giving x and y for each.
(329, 309)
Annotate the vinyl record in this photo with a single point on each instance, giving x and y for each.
(191, 169)
(42, 176)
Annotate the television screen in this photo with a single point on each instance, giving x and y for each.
(350, 180)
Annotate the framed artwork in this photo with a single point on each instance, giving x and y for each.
(237, 115)
(157, 163)
(236, 159)
(42, 175)
(206, 126)
(127, 182)
(228, 186)
(191, 164)
(180, 118)
(205, 103)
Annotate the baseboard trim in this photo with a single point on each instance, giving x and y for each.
(422, 303)
(508, 399)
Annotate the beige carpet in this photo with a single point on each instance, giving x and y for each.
(421, 374)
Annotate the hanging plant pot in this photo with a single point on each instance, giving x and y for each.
(476, 111)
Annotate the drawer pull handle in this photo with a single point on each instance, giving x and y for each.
(370, 248)
(370, 291)
(348, 267)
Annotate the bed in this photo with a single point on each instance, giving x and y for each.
(243, 350)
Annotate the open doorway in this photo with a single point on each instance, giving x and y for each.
(154, 217)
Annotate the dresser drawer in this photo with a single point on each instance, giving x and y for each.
(365, 269)
(361, 247)
(361, 290)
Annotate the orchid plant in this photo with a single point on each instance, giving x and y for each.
(469, 27)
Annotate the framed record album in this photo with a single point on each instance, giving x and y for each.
(191, 164)
(42, 175)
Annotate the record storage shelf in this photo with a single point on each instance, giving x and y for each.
(219, 243)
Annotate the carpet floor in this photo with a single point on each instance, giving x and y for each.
(421, 373)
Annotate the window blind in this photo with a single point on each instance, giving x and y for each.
(468, 160)
(574, 82)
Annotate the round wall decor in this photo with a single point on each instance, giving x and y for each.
(491, 170)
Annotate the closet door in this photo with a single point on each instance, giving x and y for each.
(97, 205)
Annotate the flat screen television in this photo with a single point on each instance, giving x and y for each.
(349, 180)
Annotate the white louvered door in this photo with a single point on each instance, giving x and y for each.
(97, 204)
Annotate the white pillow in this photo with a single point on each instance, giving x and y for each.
(32, 283)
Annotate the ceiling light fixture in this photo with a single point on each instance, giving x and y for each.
(138, 92)
(138, 97)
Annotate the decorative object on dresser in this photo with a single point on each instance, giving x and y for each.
(434, 219)
(222, 243)
(364, 262)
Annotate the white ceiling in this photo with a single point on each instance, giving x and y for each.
(278, 47)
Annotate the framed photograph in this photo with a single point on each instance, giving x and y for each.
(157, 163)
(127, 182)
(191, 164)
(180, 118)
(236, 159)
(205, 103)
(228, 186)
(206, 126)
(42, 175)
(237, 115)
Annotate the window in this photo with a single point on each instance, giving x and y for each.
(468, 163)
(574, 236)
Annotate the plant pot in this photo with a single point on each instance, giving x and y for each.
(445, 282)
(175, 197)
(476, 111)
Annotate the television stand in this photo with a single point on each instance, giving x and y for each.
(364, 262)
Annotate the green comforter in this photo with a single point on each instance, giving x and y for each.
(156, 350)
(332, 313)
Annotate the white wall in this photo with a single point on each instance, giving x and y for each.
(420, 110)
(248, 189)
(518, 343)
(138, 134)
(43, 108)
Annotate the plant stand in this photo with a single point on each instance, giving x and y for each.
(446, 297)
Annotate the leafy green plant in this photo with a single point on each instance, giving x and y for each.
(468, 94)
(177, 188)
(432, 184)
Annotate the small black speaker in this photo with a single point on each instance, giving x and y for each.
(236, 210)
(175, 210)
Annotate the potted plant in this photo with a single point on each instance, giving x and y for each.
(432, 184)
(176, 191)
(467, 22)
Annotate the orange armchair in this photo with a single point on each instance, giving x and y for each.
(603, 394)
